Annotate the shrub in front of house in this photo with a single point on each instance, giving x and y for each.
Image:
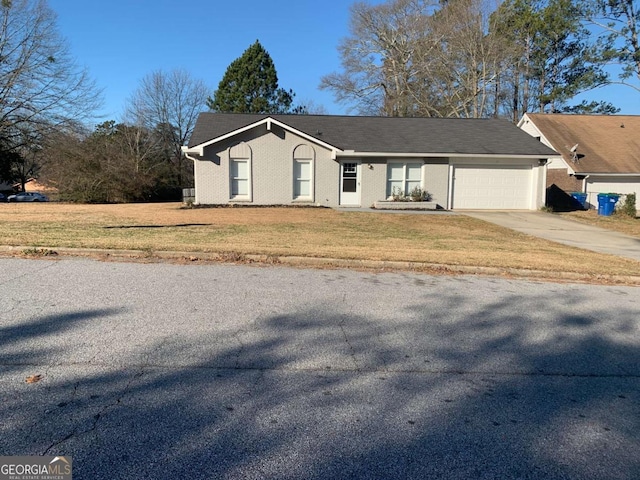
(628, 207)
(416, 195)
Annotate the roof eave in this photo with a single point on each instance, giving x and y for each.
(352, 153)
(524, 118)
(609, 174)
(197, 150)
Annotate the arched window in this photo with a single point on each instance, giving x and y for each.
(240, 172)
(303, 166)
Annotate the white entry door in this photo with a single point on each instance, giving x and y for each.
(350, 183)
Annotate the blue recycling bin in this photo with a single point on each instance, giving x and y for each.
(580, 197)
(607, 203)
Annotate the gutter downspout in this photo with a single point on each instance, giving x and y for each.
(584, 189)
(195, 179)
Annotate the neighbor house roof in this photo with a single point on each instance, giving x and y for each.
(387, 134)
(605, 143)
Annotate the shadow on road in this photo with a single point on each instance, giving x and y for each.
(30, 342)
(464, 392)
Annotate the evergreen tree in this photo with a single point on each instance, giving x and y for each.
(617, 22)
(250, 85)
(9, 160)
(552, 57)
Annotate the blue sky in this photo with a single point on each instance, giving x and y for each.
(121, 41)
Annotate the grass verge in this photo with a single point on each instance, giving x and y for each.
(617, 222)
(274, 232)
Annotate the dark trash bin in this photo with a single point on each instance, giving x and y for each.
(580, 198)
(607, 203)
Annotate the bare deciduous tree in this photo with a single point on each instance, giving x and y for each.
(41, 86)
(114, 163)
(380, 58)
(40, 83)
(169, 103)
(467, 63)
(418, 57)
(477, 58)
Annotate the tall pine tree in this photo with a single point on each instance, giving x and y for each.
(552, 58)
(250, 85)
(617, 22)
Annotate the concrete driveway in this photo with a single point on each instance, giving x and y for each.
(561, 230)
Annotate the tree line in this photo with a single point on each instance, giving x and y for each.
(46, 101)
(447, 58)
(477, 58)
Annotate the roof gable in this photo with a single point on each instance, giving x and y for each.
(605, 143)
(399, 135)
(265, 120)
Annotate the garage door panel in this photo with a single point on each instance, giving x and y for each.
(492, 187)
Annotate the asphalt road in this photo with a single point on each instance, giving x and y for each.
(238, 372)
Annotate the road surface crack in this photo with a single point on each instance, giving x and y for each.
(98, 416)
(352, 351)
(7, 280)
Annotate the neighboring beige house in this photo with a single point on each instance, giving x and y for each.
(355, 161)
(598, 153)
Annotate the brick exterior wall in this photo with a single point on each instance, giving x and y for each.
(559, 187)
(561, 178)
(271, 170)
(271, 156)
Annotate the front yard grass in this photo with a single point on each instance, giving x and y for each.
(314, 232)
(616, 222)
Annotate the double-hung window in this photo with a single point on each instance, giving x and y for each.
(239, 177)
(402, 178)
(240, 172)
(302, 179)
(303, 157)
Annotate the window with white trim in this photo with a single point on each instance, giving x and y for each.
(403, 177)
(302, 179)
(240, 172)
(239, 178)
(303, 157)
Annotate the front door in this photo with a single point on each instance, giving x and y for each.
(350, 183)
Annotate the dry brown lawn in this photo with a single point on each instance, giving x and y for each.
(617, 223)
(439, 239)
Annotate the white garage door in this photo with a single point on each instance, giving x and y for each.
(492, 187)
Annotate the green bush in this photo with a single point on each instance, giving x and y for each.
(628, 207)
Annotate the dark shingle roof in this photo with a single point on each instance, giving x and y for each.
(606, 143)
(389, 134)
